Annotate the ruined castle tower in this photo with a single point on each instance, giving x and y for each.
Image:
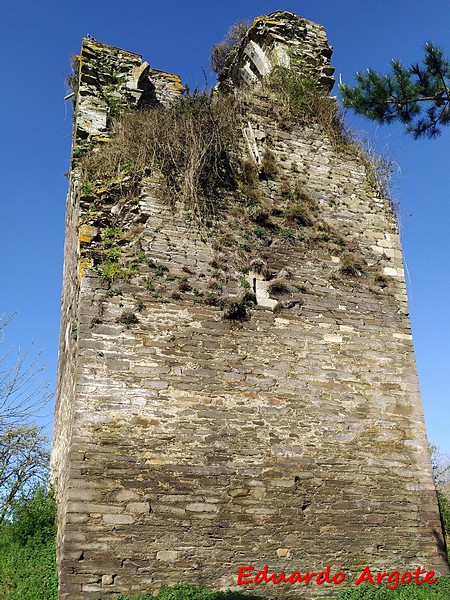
(239, 389)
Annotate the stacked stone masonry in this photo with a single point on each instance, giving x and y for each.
(186, 445)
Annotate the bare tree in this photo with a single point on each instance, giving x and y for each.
(24, 459)
(441, 473)
(24, 455)
(23, 393)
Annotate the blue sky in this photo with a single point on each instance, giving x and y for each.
(38, 38)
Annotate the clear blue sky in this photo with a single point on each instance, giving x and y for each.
(175, 35)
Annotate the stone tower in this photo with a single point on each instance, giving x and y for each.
(241, 392)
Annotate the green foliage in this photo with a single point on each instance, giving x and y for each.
(418, 96)
(440, 464)
(128, 318)
(77, 152)
(188, 592)
(28, 572)
(435, 591)
(27, 549)
(111, 249)
(286, 234)
(110, 270)
(32, 517)
(444, 509)
(161, 270)
(86, 187)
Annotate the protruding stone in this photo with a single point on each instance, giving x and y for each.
(107, 579)
(167, 555)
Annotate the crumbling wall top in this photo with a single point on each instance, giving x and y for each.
(281, 38)
(110, 80)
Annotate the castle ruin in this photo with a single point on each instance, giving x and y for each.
(238, 390)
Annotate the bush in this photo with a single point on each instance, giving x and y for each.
(27, 550)
(28, 572)
(33, 518)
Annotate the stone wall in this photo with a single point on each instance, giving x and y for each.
(280, 38)
(188, 445)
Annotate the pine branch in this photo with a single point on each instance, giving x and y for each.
(419, 97)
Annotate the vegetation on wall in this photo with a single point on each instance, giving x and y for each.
(190, 144)
(193, 154)
(303, 99)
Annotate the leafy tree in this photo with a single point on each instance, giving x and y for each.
(33, 517)
(418, 96)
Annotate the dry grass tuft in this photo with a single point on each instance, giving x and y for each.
(353, 264)
(190, 143)
(304, 99)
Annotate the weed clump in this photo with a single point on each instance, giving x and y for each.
(258, 214)
(299, 214)
(352, 264)
(270, 166)
(128, 318)
(237, 310)
(278, 287)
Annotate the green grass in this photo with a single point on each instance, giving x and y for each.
(188, 592)
(435, 591)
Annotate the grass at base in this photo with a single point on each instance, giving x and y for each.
(434, 591)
